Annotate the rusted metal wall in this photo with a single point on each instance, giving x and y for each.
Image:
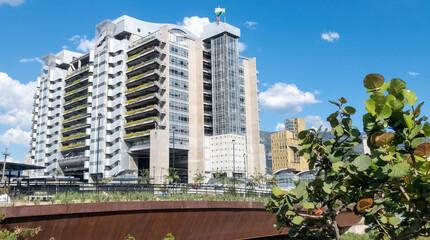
(148, 220)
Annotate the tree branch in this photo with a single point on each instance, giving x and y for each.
(380, 225)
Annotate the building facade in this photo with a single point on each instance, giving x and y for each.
(284, 144)
(148, 96)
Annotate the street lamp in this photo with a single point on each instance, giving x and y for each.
(234, 167)
(99, 117)
(173, 152)
(244, 169)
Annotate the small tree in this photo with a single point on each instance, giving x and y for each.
(389, 187)
(171, 176)
(199, 177)
(144, 173)
(271, 180)
(220, 177)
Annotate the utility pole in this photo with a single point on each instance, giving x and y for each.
(4, 165)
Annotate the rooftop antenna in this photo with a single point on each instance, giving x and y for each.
(219, 12)
(4, 164)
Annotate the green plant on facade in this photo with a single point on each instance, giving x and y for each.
(73, 127)
(137, 77)
(140, 53)
(77, 99)
(135, 134)
(72, 146)
(77, 90)
(74, 118)
(390, 187)
(130, 90)
(140, 64)
(138, 110)
(144, 40)
(78, 80)
(131, 123)
(133, 100)
(77, 70)
(83, 106)
(74, 136)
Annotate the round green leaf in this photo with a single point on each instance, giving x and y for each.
(396, 86)
(362, 162)
(385, 112)
(370, 106)
(410, 96)
(308, 205)
(373, 81)
(398, 170)
(290, 213)
(395, 221)
(349, 110)
(294, 230)
(277, 191)
(297, 220)
(396, 105)
(384, 219)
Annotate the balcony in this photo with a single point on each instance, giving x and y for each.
(140, 112)
(75, 127)
(150, 39)
(74, 83)
(76, 100)
(77, 108)
(73, 146)
(140, 123)
(144, 66)
(71, 164)
(75, 118)
(73, 92)
(74, 137)
(137, 135)
(147, 87)
(150, 51)
(155, 97)
(78, 71)
(154, 75)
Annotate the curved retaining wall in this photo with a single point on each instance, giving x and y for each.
(149, 220)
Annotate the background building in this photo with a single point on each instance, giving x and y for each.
(284, 144)
(148, 96)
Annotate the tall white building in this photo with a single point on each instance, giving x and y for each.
(148, 96)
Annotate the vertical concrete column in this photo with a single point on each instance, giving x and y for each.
(196, 114)
(159, 154)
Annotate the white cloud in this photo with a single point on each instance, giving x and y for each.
(316, 121)
(15, 136)
(250, 24)
(195, 24)
(330, 36)
(241, 46)
(35, 59)
(285, 98)
(414, 74)
(16, 101)
(12, 2)
(82, 42)
(280, 127)
(65, 47)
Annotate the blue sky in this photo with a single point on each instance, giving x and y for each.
(308, 52)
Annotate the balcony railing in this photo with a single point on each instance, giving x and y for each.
(74, 127)
(138, 65)
(144, 39)
(134, 100)
(69, 147)
(75, 136)
(80, 107)
(140, 53)
(133, 123)
(84, 115)
(131, 90)
(77, 81)
(76, 90)
(131, 112)
(137, 77)
(137, 134)
(83, 68)
(76, 99)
